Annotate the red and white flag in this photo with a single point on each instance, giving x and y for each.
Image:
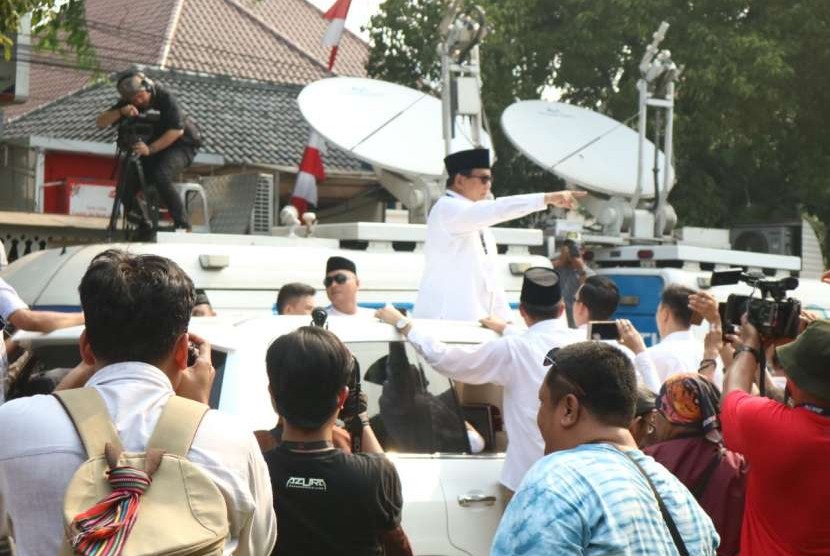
(337, 22)
(311, 172)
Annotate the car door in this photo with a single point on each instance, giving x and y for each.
(452, 502)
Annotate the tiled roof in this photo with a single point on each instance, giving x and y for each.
(247, 122)
(264, 40)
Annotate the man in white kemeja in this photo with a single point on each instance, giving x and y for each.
(515, 361)
(678, 351)
(461, 280)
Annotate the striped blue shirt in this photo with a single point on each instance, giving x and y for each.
(592, 500)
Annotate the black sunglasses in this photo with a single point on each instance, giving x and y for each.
(339, 278)
(550, 361)
(550, 358)
(482, 179)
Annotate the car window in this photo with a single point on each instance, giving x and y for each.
(412, 408)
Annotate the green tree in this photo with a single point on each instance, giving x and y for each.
(752, 105)
(57, 26)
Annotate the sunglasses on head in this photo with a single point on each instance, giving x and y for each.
(339, 278)
(550, 361)
(550, 358)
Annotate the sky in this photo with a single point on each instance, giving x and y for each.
(359, 13)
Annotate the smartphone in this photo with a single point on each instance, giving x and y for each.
(603, 330)
(728, 327)
(192, 354)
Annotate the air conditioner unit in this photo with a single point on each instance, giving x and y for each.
(778, 239)
(262, 215)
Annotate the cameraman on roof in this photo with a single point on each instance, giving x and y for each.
(168, 151)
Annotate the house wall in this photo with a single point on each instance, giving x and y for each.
(17, 178)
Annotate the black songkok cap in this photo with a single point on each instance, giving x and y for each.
(340, 263)
(201, 298)
(540, 287)
(464, 161)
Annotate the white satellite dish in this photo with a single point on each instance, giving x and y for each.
(387, 125)
(582, 147)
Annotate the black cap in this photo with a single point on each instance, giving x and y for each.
(201, 298)
(464, 161)
(540, 287)
(340, 263)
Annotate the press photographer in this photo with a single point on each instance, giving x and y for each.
(327, 501)
(787, 445)
(153, 127)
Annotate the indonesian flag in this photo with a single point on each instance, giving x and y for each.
(304, 197)
(337, 22)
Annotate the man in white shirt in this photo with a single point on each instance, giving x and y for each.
(515, 361)
(461, 280)
(596, 300)
(341, 284)
(678, 351)
(14, 311)
(135, 347)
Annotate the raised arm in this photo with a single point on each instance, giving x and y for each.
(482, 214)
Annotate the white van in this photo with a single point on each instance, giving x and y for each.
(242, 274)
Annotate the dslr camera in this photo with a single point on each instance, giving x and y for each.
(773, 314)
(136, 130)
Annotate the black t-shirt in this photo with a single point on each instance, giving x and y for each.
(332, 502)
(170, 116)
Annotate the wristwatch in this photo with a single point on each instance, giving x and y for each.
(402, 323)
(749, 349)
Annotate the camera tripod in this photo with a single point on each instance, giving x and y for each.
(126, 197)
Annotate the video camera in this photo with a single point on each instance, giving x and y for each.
(138, 129)
(355, 403)
(774, 316)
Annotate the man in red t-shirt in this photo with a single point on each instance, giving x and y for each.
(788, 448)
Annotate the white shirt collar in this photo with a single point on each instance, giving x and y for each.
(131, 371)
(550, 324)
(457, 195)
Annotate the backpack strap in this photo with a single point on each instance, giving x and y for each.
(89, 414)
(177, 426)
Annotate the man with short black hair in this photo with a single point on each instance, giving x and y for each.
(295, 299)
(678, 351)
(514, 361)
(596, 300)
(594, 492)
(327, 501)
(341, 284)
(135, 352)
(461, 280)
(787, 447)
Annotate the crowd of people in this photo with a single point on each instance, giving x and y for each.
(613, 447)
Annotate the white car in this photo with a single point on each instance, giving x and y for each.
(452, 500)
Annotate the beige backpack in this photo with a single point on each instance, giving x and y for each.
(181, 512)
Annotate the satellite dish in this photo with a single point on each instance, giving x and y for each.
(582, 147)
(387, 125)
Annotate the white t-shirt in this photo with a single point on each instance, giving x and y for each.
(362, 312)
(10, 302)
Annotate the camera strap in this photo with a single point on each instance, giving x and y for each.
(669, 520)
